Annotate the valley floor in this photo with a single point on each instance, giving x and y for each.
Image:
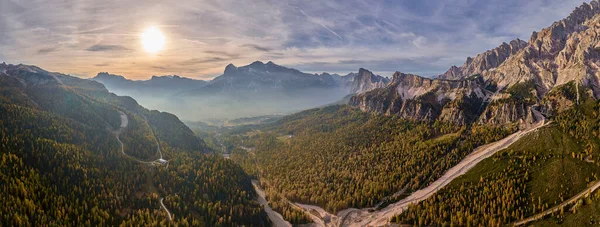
(368, 217)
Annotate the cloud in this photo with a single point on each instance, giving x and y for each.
(102, 47)
(318, 21)
(161, 68)
(221, 53)
(197, 61)
(422, 37)
(257, 47)
(421, 66)
(47, 50)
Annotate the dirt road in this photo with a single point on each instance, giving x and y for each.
(275, 217)
(383, 216)
(124, 124)
(574, 199)
(164, 207)
(363, 217)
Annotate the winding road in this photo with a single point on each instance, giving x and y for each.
(164, 207)
(124, 124)
(160, 155)
(584, 193)
(276, 218)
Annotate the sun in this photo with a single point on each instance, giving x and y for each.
(153, 40)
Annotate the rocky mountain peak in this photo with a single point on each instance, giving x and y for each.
(230, 69)
(399, 77)
(552, 39)
(106, 75)
(258, 68)
(365, 81)
(257, 64)
(484, 61)
(364, 71)
(168, 77)
(28, 74)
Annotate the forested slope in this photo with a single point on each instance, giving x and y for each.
(539, 171)
(339, 157)
(61, 163)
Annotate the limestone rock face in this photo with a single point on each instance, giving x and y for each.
(484, 61)
(414, 97)
(516, 82)
(566, 51)
(365, 81)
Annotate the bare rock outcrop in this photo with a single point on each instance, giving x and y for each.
(414, 97)
(365, 81)
(484, 61)
(513, 83)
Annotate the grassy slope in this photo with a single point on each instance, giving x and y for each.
(557, 174)
(586, 215)
(544, 158)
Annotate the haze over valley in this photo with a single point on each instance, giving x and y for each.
(254, 90)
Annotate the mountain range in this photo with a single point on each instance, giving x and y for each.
(515, 82)
(252, 90)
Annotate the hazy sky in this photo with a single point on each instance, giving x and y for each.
(84, 37)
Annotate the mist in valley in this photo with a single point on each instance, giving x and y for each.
(220, 107)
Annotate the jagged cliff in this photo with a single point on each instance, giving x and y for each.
(517, 80)
(415, 97)
(365, 81)
(484, 61)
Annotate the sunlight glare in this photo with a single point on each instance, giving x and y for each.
(153, 40)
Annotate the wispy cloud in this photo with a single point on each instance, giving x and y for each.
(200, 61)
(423, 37)
(257, 47)
(104, 47)
(317, 21)
(47, 50)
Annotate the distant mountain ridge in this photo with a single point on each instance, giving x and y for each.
(261, 77)
(156, 84)
(256, 89)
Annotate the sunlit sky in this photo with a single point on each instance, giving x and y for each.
(84, 37)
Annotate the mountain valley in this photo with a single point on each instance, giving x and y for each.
(509, 138)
